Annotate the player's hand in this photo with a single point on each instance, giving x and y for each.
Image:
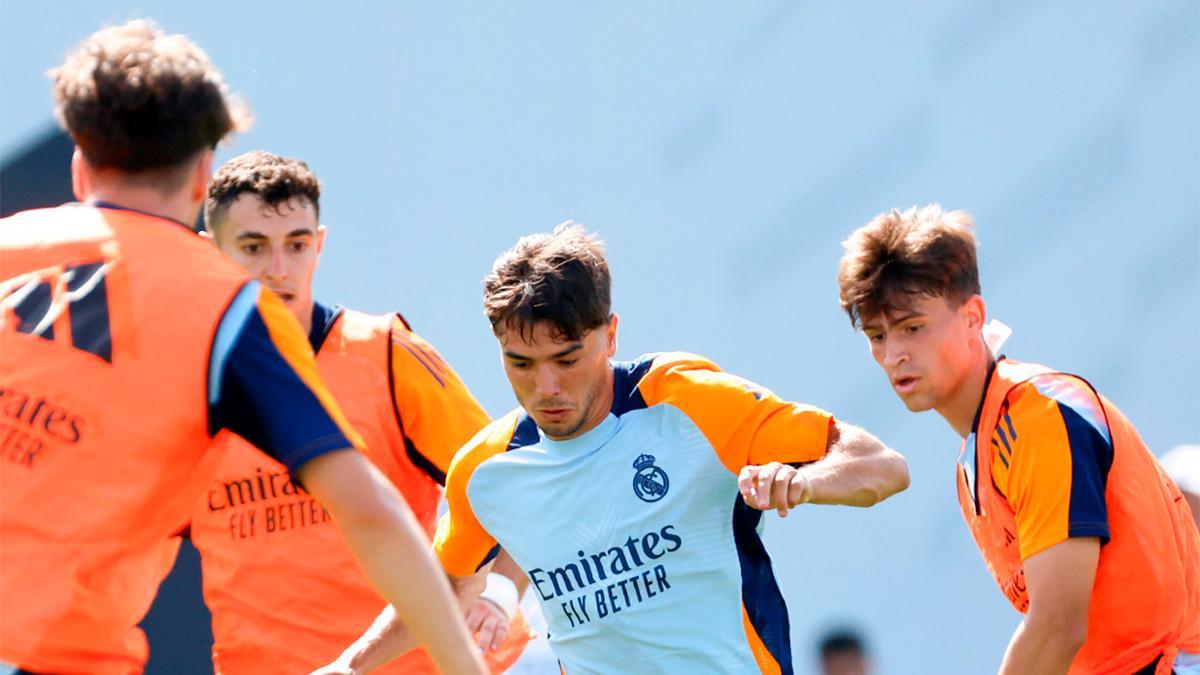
(773, 486)
(489, 623)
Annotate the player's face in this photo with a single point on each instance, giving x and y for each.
(279, 246)
(566, 387)
(926, 349)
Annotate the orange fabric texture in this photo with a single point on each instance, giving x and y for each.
(105, 440)
(285, 591)
(745, 423)
(1154, 545)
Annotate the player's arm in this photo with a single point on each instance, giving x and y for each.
(390, 637)
(490, 616)
(784, 453)
(264, 385)
(857, 470)
(464, 548)
(1056, 444)
(389, 544)
(439, 414)
(1059, 580)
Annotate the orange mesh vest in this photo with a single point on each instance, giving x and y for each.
(107, 319)
(1146, 599)
(285, 592)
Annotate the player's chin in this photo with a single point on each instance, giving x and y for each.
(916, 402)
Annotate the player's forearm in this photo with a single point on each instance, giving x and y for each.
(386, 639)
(504, 564)
(1040, 650)
(392, 550)
(408, 576)
(859, 470)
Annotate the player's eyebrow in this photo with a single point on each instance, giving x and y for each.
(891, 320)
(251, 235)
(901, 318)
(302, 232)
(557, 355)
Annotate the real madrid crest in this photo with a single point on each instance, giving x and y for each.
(650, 483)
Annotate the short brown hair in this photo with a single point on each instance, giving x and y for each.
(561, 277)
(899, 256)
(138, 100)
(273, 179)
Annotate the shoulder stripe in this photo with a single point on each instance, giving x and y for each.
(1091, 460)
(627, 396)
(1070, 394)
(228, 331)
(525, 433)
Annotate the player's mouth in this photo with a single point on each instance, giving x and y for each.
(905, 384)
(554, 414)
(285, 296)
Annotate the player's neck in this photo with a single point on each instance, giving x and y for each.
(177, 206)
(963, 403)
(304, 314)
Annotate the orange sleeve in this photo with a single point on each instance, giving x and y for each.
(1050, 458)
(437, 411)
(461, 543)
(745, 423)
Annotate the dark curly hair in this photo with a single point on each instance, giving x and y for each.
(273, 179)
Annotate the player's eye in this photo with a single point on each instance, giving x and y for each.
(567, 362)
(298, 246)
(876, 338)
(519, 365)
(914, 328)
(250, 249)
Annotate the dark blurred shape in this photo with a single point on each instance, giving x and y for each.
(843, 651)
(178, 624)
(37, 176)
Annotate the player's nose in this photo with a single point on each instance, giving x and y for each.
(546, 382)
(894, 353)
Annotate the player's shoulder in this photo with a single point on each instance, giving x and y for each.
(359, 325)
(656, 369)
(1055, 398)
(514, 430)
(50, 226)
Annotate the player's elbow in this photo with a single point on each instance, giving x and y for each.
(891, 476)
(1065, 631)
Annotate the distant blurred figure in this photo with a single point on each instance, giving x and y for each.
(1182, 463)
(843, 652)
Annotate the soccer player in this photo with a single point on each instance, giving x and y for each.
(631, 492)
(126, 343)
(286, 594)
(1075, 519)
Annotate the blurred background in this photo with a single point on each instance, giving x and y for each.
(724, 150)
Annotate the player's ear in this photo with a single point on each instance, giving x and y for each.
(610, 335)
(81, 178)
(201, 174)
(975, 312)
(320, 238)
